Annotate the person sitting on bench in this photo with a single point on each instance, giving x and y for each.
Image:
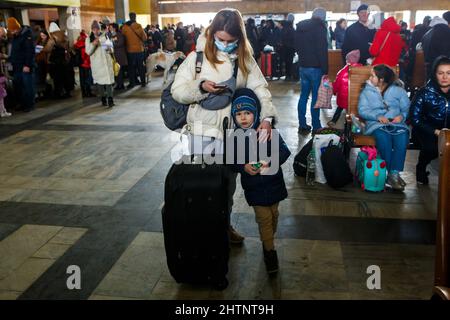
(384, 105)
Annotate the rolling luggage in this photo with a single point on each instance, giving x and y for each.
(266, 64)
(195, 221)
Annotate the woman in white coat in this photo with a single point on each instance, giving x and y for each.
(100, 50)
(223, 43)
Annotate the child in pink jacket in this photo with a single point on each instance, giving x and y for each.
(340, 85)
(3, 112)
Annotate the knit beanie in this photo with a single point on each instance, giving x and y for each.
(13, 24)
(53, 28)
(246, 100)
(362, 8)
(319, 13)
(353, 56)
(95, 25)
(290, 17)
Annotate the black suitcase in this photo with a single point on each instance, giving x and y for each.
(195, 221)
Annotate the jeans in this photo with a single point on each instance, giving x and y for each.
(310, 81)
(85, 80)
(136, 63)
(392, 148)
(24, 89)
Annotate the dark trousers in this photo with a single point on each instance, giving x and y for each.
(24, 88)
(428, 148)
(62, 78)
(85, 80)
(120, 77)
(337, 114)
(287, 55)
(136, 67)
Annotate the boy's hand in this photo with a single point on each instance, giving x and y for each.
(251, 170)
(265, 131)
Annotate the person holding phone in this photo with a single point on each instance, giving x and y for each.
(384, 104)
(223, 44)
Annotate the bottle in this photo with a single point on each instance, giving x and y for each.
(311, 168)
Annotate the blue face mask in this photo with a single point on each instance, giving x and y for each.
(226, 48)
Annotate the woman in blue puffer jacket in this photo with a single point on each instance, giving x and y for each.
(430, 112)
(384, 105)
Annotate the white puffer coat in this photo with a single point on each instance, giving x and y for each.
(186, 90)
(101, 62)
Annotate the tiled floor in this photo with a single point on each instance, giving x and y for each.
(83, 185)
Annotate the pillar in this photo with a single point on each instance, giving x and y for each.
(24, 16)
(122, 10)
(412, 19)
(154, 12)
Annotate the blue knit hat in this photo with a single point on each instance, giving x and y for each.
(246, 100)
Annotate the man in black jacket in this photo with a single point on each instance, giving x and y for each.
(359, 36)
(312, 48)
(436, 42)
(22, 60)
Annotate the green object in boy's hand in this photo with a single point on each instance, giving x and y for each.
(257, 165)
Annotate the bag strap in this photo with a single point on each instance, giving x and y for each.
(236, 68)
(199, 62)
(384, 42)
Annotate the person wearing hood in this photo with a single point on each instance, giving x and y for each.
(262, 191)
(287, 47)
(384, 105)
(60, 68)
(359, 35)
(85, 67)
(135, 38)
(22, 59)
(312, 48)
(387, 44)
(436, 42)
(225, 48)
(430, 113)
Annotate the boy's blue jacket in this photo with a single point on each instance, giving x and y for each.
(371, 106)
(263, 190)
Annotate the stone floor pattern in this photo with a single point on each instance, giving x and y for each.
(82, 185)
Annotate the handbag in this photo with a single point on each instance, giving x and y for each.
(174, 113)
(116, 66)
(324, 95)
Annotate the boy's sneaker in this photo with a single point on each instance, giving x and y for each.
(271, 261)
(394, 181)
(5, 114)
(422, 175)
(234, 236)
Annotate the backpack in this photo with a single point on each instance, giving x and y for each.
(174, 113)
(300, 159)
(335, 167)
(371, 170)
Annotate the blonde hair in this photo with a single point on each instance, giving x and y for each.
(230, 21)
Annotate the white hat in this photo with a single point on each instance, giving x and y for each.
(53, 27)
(438, 20)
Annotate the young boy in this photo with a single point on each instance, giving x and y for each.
(263, 191)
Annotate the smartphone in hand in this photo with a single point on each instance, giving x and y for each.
(220, 86)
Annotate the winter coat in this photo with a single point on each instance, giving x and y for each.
(340, 86)
(101, 62)
(81, 45)
(186, 90)
(358, 36)
(169, 42)
(22, 50)
(372, 105)
(58, 48)
(428, 109)
(120, 50)
(311, 44)
(2, 87)
(339, 35)
(390, 53)
(134, 37)
(180, 38)
(263, 190)
(435, 43)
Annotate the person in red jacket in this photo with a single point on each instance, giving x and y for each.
(387, 44)
(340, 85)
(85, 66)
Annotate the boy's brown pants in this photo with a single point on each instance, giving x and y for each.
(267, 219)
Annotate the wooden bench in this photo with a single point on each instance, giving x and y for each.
(335, 63)
(356, 79)
(419, 76)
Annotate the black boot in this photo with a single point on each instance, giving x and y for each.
(271, 261)
(110, 102)
(104, 101)
(422, 174)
